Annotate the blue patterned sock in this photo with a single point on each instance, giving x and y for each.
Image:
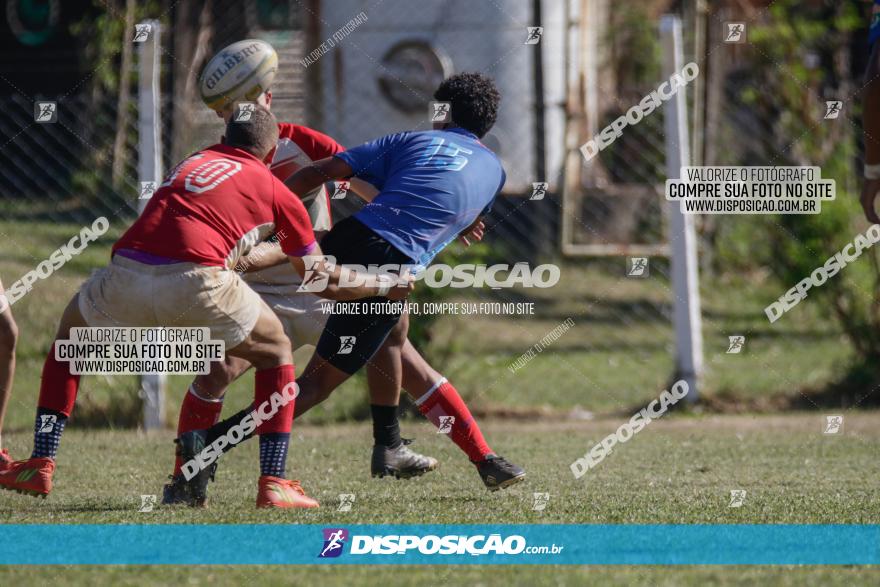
(273, 453)
(47, 432)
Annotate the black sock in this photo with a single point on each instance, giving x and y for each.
(221, 428)
(386, 427)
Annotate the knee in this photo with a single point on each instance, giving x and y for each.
(397, 336)
(273, 354)
(8, 334)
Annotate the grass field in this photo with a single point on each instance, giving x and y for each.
(681, 469)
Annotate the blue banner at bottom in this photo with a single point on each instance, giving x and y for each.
(535, 544)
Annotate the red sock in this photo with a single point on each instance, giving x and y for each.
(266, 383)
(58, 386)
(445, 401)
(196, 413)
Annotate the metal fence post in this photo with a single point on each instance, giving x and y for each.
(152, 386)
(683, 244)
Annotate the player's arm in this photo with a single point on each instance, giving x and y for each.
(319, 172)
(357, 284)
(263, 256)
(364, 190)
(871, 124)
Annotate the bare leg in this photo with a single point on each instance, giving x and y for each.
(8, 340)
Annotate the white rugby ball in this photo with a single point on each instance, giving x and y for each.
(240, 72)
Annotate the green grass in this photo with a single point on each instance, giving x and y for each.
(679, 470)
(617, 355)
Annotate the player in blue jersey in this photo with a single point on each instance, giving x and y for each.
(434, 186)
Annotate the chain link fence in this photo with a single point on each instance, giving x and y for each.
(378, 78)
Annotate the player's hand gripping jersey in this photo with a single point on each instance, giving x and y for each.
(298, 147)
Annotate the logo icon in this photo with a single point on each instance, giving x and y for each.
(637, 267)
(47, 423)
(346, 344)
(539, 190)
(833, 425)
(540, 501)
(45, 112)
(441, 111)
(148, 502)
(445, 425)
(341, 190)
(244, 111)
(317, 274)
(736, 32)
(832, 109)
(737, 498)
(334, 540)
(346, 500)
(142, 32)
(148, 188)
(735, 345)
(534, 35)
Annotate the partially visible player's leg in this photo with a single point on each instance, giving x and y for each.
(203, 400)
(440, 402)
(253, 333)
(58, 389)
(8, 340)
(391, 456)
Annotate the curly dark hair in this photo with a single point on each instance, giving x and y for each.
(474, 101)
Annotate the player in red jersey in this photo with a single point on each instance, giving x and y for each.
(396, 364)
(172, 268)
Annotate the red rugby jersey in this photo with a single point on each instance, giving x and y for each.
(214, 206)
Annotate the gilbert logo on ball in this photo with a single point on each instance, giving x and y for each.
(441, 111)
(240, 72)
(45, 112)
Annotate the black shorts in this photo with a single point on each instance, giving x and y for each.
(356, 330)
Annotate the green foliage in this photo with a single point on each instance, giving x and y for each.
(788, 48)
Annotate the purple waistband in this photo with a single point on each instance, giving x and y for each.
(145, 258)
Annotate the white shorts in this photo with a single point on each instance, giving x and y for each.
(303, 316)
(129, 293)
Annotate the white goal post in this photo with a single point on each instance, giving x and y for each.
(152, 385)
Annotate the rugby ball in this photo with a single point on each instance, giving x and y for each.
(240, 72)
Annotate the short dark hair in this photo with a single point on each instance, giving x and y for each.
(257, 135)
(474, 101)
